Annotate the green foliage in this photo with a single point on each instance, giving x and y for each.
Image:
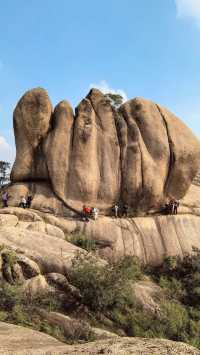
(115, 99)
(180, 277)
(178, 317)
(81, 241)
(9, 256)
(10, 296)
(106, 292)
(104, 286)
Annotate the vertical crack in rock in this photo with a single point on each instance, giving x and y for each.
(172, 157)
(141, 238)
(121, 126)
(162, 239)
(133, 154)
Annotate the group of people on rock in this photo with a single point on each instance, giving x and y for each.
(120, 211)
(171, 207)
(25, 202)
(93, 212)
(90, 212)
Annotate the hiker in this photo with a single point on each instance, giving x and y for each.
(86, 213)
(29, 201)
(176, 205)
(171, 206)
(5, 199)
(95, 213)
(125, 211)
(116, 210)
(23, 202)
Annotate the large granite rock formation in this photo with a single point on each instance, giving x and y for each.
(140, 154)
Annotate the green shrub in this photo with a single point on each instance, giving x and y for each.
(104, 286)
(10, 296)
(81, 241)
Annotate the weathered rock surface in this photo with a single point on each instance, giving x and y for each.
(139, 155)
(36, 285)
(46, 253)
(8, 220)
(149, 238)
(32, 118)
(15, 340)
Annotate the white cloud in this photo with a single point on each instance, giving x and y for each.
(7, 152)
(104, 87)
(189, 9)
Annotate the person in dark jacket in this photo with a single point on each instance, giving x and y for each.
(29, 201)
(5, 199)
(176, 205)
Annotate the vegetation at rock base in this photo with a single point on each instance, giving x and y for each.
(82, 241)
(104, 287)
(108, 300)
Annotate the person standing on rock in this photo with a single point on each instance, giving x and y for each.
(29, 201)
(23, 202)
(86, 213)
(116, 211)
(95, 213)
(171, 206)
(176, 205)
(5, 199)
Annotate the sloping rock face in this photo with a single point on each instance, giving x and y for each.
(15, 340)
(149, 238)
(140, 154)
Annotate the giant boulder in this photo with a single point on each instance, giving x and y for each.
(140, 155)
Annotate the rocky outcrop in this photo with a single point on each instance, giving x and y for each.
(140, 154)
(38, 252)
(16, 340)
(150, 238)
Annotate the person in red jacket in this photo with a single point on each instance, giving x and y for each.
(87, 213)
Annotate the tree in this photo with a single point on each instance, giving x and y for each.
(4, 172)
(115, 99)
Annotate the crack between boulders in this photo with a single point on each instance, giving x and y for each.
(121, 152)
(172, 157)
(61, 199)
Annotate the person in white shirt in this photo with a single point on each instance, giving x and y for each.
(23, 202)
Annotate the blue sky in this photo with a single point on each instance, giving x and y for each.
(148, 48)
